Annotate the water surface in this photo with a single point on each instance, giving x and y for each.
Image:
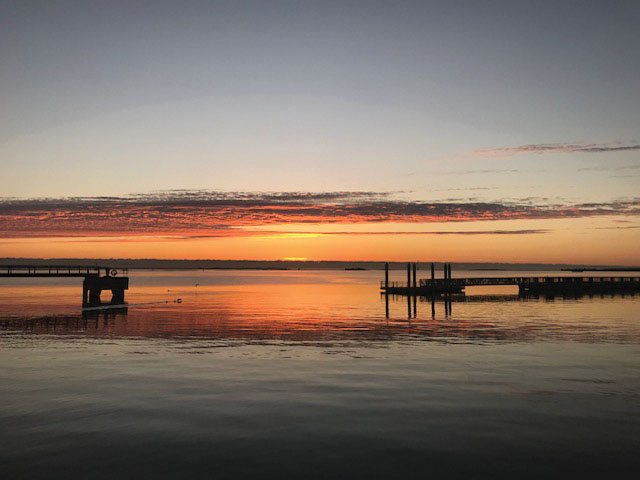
(302, 374)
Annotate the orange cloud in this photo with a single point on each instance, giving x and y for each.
(223, 214)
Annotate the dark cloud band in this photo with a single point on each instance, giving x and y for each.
(231, 213)
(542, 148)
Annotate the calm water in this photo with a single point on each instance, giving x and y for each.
(300, 374)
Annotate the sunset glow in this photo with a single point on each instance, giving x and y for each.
(376, 136)
(333, 239)
(318, 226)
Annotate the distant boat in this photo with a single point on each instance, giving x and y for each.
(356, 268)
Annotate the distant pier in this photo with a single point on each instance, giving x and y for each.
(96, 279)
(526, 285)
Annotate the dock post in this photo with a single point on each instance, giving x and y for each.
(444, 268)
(433, 271)
(386, 276)
(446, 278)
(117, 296)
(449, 272)
(386, 305)
(408, 275)
(94, 296)
(386, 289)
(415, 278)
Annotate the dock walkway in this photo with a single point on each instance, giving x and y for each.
(526, 285)
(49, 271)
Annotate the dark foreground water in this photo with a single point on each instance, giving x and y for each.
(301, 375)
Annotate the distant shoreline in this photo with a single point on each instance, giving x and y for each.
(610, 269)
(160, 264)
(488, 269)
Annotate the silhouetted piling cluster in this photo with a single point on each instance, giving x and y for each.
(526, 285)
(412, 279)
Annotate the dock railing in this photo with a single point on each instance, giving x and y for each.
(57, 270)
(428, 283)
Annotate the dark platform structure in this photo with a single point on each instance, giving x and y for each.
(92, 286)
(547, 285)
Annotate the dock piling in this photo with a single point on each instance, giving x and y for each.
(386, 276)
(386, 305)
(415, 277)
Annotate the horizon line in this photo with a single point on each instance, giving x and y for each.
(308, 261)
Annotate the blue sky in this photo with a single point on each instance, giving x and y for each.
(506, 105)
(109, 97)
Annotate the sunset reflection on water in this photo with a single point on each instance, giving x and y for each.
(308, 367)
(314, 306)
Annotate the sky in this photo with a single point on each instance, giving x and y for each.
(500, 131)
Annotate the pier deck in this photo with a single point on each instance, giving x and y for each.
(536, 284)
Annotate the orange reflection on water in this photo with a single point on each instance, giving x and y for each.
(302, 308)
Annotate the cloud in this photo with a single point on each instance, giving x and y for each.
(603, 168)
(224, 214)
(631, 227)
(548, 148)
(468, 189)
(475, 172)
(463, 233)
(110, 238)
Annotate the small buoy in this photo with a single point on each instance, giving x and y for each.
(179, 300)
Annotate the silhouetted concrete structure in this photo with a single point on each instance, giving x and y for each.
(92, 287)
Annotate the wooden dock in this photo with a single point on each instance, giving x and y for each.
(92, 286)
(526, 285)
